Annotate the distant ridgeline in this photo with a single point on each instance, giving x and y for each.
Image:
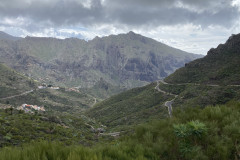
(125, 60)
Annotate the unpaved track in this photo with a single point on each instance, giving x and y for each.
(18, 95)
(168, 104)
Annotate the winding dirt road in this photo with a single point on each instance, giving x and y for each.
(10, 97)
(168, 104)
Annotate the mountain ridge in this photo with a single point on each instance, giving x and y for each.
(128, 60)
(219, 66)
(5, 36)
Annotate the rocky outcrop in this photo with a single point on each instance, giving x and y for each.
(232, 45)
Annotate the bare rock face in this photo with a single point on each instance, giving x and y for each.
(126, 59)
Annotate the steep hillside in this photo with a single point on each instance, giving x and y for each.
(12, 83)
(17, 128)
(103, 90)
(16, 89)
(127, 60)
(193, 95)
(131, 107)
(211, 80)
(220, 66)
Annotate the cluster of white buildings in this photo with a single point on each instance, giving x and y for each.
(43, 87)
(30, 108)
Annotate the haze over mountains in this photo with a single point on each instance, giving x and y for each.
(126, 60)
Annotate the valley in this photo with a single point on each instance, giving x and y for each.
(125, 107)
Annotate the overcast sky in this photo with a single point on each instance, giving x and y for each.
(191, 25)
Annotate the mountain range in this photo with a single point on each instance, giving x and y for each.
(125, 60)
(191, 114)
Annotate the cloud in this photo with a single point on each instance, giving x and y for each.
(179, 23)
(55, 13)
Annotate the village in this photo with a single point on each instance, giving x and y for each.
(31, 108)
(28, 108)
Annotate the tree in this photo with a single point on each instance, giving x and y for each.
(189, 135)
(11, 110)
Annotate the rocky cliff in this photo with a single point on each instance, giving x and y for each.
(128, 60)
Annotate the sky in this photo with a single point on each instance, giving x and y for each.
(191, 25)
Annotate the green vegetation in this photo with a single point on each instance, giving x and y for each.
(55, 100)
(220, 66)
(13, 83)
(103, 90)
(17, 128)
(204, 125)
(194, 133)
(132, 107)
(201, 95)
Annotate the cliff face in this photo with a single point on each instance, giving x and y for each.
(128, 60)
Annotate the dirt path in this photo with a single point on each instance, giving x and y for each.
(158, 89)
(168, 104)
(24, 93)
(21, 94)
(113, 134)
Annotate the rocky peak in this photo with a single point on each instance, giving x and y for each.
(232, 45)
(131, 33)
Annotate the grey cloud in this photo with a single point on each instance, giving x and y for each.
(174, 15)
(57, 13)
(60, 13)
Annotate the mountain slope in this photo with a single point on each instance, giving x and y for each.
(17, 128)
(12, 83)
(220, 66)
(16, 89)
(128, 60)
(131, 107)
(210, 133)
(5, 36)
(190, 86)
